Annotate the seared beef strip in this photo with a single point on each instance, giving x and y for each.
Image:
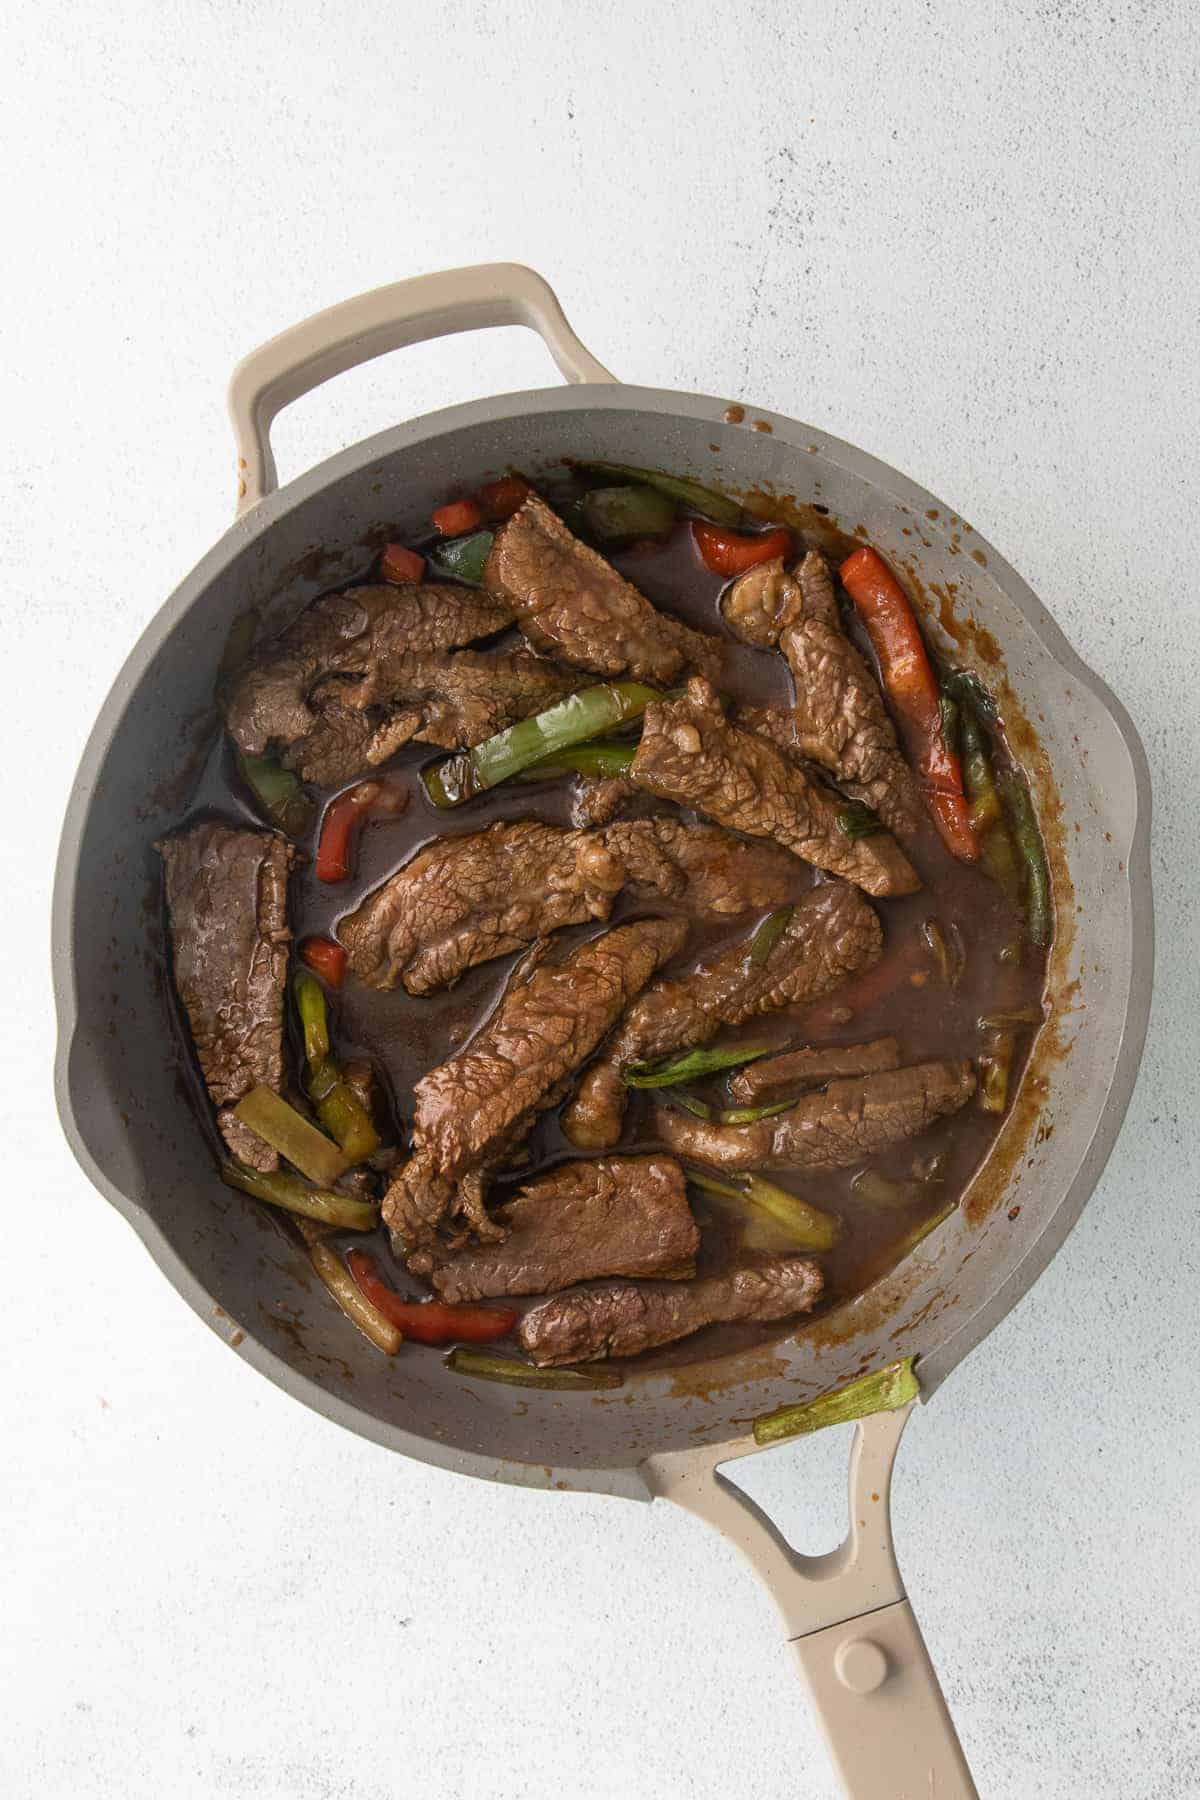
(618, 1215)
(838, 718)
(474, 1109)
(366, 635)
(850, 1120)
(832, 933)
(704, 868)
(623, 1318)
(778, 1076)
(227, 909)
(462, 901)
(454, 699)
(598, 800)
(689, 753)
(573, 604)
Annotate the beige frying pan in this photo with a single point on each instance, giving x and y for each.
(666, 1434)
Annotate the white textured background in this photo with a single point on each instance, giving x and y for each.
(963, 237)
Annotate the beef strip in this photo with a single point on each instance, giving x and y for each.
(476, 1108)
(572, 603)
(832, 933)
(227, 910)
(689, 753)
(366, 635)
(812, 1066)
(598, 800)
(618, 1215)
(462, 901)
(850, 1120)
(452, 699)
(623, 1318)
(838, 718)
(705, 868)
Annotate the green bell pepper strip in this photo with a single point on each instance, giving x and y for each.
(309, 997)
(353, 1302)
(486, 1367)
(342, 1113)
(588, 714)
(295, 1196)
(995, 1062)
(881, 1391)
(693, 1066)
(970, 694)
(339, 1108)
(810, 1227)
(730, 1115)
(881, 1190)
(603, 761)
(705, 500)
(462, 558)
(987, 812)
(978, 776)
(854, 821)
(277, 793)
(268, 1116)
(609, 514)
(1039, 901)
(767, 934)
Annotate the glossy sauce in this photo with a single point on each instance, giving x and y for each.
(403, 1037)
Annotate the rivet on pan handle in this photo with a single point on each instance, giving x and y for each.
(388, 318)
(853, 1631)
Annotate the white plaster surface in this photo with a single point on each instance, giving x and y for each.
(963, 237)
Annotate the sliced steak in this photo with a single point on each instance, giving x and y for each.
(850, 1120)
(623, 1318)
(573, 604)
(777, 1076)
(832, 933)
(227, 911)
(450, 698)
(689, 753)
(619, 1215)
(838, 719)
(598, 800)
(364, 635)
(476, 1108)
(462, 901)
(707, 870)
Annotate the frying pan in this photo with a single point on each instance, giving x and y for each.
(666, 1434)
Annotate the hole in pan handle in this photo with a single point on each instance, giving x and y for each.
(388, 318)
(847, 1618)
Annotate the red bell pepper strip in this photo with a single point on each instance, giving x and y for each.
(344, 818)
(501, 499)
(430, 1321)
(324, 958)
(733, 552)
(457, 517)
(911, 685)
(400, 564)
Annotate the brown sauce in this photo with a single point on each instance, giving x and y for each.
(403, 1037)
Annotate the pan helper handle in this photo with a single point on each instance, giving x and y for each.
(847, 1619)
(388, 318)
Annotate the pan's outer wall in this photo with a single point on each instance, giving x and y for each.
(120, 1096)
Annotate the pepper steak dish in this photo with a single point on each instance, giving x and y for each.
(603, 925)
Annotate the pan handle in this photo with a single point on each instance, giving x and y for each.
(387, 318)
(847, 1619)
